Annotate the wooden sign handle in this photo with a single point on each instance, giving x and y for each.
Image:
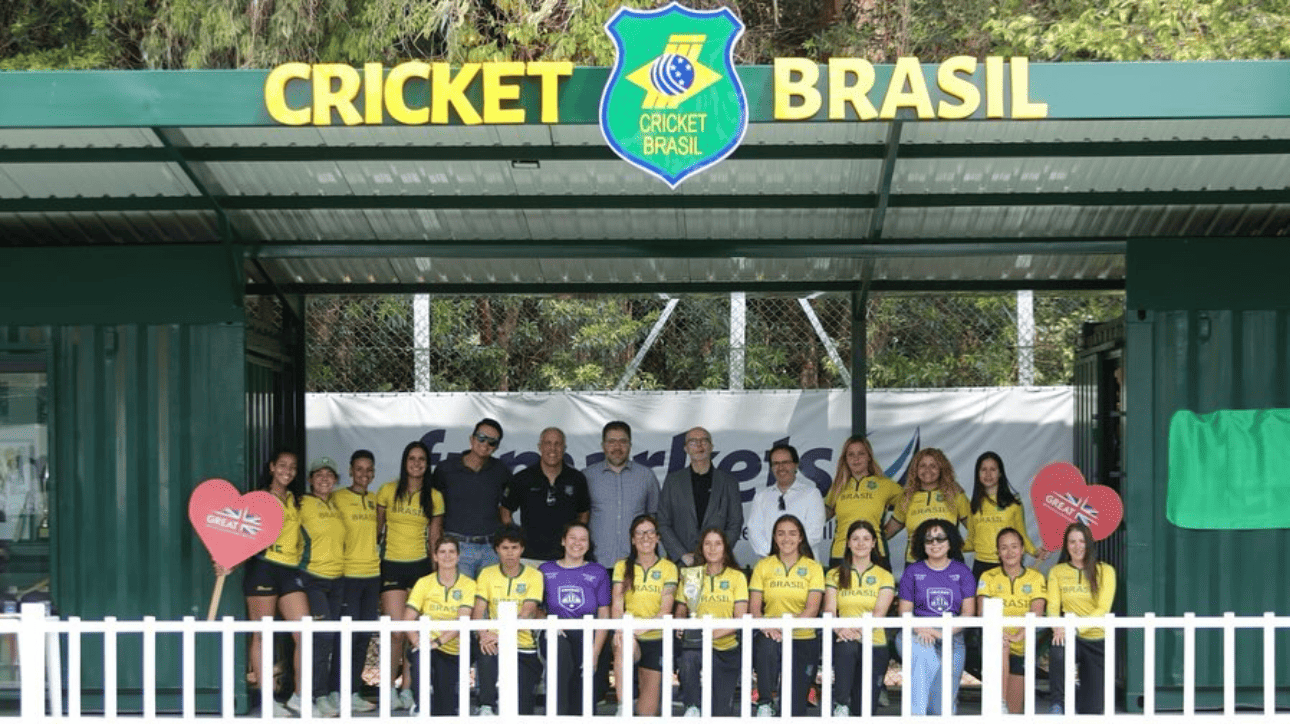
(219, 588)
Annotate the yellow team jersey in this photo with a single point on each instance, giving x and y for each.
(406, 526)
(438, 602)
(864, 499)
(362, 554)
(289, 546)
(862, 596)
(928, 504)
(717, 598)
(1017, 595)
(987, 524)
(785, 589)
(324, 525)
(494, 587)
(1068, 592)
(645, 598)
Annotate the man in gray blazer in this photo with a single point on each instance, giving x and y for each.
(697, 498)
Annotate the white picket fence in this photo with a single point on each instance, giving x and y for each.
(40, 663)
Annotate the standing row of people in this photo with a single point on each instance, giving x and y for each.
(365, 548)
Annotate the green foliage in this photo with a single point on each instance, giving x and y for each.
(1143, 29)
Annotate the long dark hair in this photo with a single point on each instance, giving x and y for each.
(803, 547)
(728, 556)
(297, 485)
(951, 531)
(401, 488)
(875, 557)
(1090, 553)
(1004, 496)
(629, 570)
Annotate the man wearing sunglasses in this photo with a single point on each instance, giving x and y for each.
(548, 496)
(473, 485)
(792, 494)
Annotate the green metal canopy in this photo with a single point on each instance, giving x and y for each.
(185, 159)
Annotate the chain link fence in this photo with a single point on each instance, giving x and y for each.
(405, 343)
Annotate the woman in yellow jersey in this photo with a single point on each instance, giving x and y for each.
(407, 533)
(361, 580)
(509, 580)
(273, 582)
(444, 595)
(858, 586)
(994, 507)
(933, 493)
(723, 593)
(644, 586)
(1082, 585)
(860, 491)
(1021, 589)
(324, 529)
(788, 581)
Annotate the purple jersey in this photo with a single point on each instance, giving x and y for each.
(575, 592)
(934, 592)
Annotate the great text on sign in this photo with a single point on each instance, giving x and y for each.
(851, 81)
(336, 87)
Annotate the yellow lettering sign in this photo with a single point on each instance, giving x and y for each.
(796, 78)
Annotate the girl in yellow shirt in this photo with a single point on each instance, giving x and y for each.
(786, 581)
(860, 491)
(856, 587)
(1082, 585)
(723, 593)
(933, 492)
(645, 587)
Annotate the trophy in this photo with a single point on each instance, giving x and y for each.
(691, 587)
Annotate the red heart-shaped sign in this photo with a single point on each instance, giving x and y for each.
(234, 526)
(1061, 497)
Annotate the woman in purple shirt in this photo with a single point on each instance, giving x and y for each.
(938, 582)
(574, 588)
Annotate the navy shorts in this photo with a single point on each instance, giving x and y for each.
(1016, 665)
(651, 654)
(266, 578)
(403, 575)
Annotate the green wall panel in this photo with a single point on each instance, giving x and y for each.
(142, 414)
(1201, 347)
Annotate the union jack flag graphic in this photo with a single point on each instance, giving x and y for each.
(1084, 512)
(248, 522)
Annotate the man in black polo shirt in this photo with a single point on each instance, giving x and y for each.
(472, 487)
(548, 496)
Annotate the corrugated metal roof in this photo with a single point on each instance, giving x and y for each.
(966, 201)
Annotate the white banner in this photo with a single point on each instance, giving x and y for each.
(1027, 427)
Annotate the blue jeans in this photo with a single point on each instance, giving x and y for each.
(475, 557)
(923, 672)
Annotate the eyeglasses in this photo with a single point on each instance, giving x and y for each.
(489, 441)
(937, 539)
(646, 533)
(698, 441)
(781, 503)
(781, 463)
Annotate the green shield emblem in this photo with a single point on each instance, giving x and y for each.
(673, 104)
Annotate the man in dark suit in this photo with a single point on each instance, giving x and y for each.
(697, 498)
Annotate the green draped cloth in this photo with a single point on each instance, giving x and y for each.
(1229, 470)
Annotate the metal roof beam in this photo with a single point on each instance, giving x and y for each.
(597, 202)
(681, 248)
(616, 287)
(746, 152)
(879, 215)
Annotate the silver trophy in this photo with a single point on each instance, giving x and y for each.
(691, 587)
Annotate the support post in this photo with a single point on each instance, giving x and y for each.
(738, 348)
(859, 363)
(1025, 338)
(421, 340)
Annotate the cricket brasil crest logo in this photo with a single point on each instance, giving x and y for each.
(673, 104)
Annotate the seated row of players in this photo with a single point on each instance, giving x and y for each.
(368, 551)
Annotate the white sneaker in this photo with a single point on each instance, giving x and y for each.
(883, 700)
(484, 710)
(840, 710)
(406, 700)
(334, 698)
(358, 703)
(693, 711)
(765, 710)
(395, 702)
(281, 711)
(325, 709)
(294, 703)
